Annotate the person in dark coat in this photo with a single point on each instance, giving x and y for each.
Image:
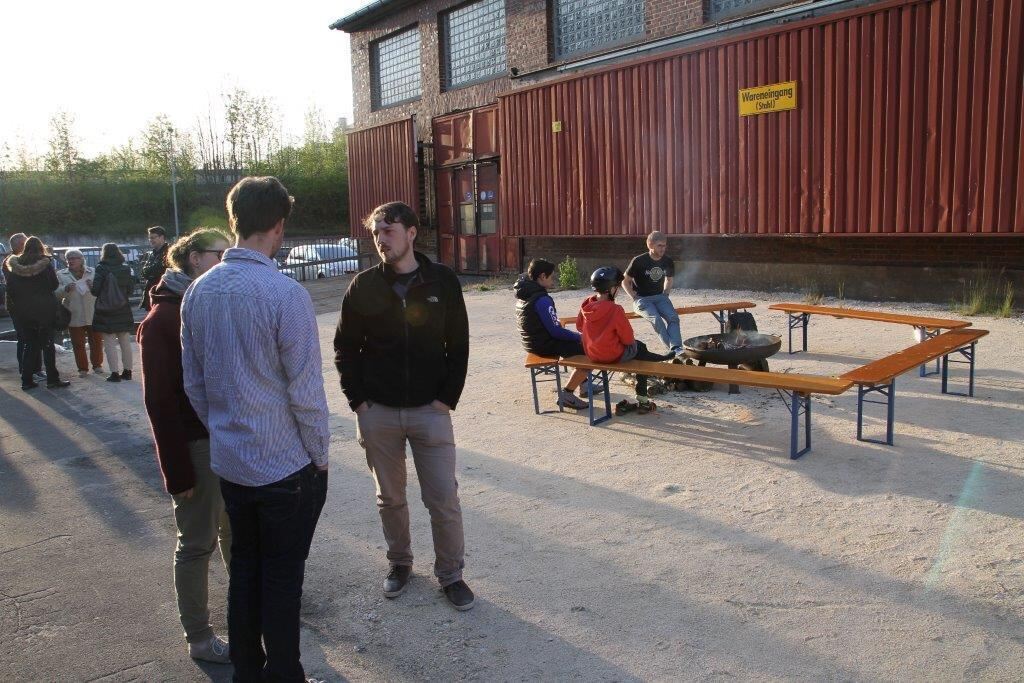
(402, 351)
(183, 444)
(31, 280)
(17, 243)
(156, 263)
(113, 317)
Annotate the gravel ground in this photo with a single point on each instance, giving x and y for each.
(681, 545)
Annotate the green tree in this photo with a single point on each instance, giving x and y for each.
(62, 156)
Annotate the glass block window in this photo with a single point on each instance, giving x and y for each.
(395, 68)
(474, 42)
(727, 9)
(585, 25)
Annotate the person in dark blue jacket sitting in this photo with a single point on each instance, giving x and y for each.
(538, 322)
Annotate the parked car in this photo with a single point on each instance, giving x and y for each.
(132, 257)
(132, 254)
(316, 261)
(91, 254)
(281, 256)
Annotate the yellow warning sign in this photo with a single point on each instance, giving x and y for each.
(768, 98)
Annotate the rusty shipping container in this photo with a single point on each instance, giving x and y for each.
(381, 168)
(908, 121)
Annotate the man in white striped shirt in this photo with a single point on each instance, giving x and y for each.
(253, 373)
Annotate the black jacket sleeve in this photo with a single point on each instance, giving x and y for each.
(348, 346)
(456, 342)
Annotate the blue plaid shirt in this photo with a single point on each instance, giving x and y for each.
(253, 371)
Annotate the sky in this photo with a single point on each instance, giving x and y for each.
(115, 64)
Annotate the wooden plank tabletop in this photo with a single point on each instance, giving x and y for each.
(814, 384)
(879, 316)
(685, 310)
(883, 370)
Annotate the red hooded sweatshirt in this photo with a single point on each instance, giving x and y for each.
(606, 330)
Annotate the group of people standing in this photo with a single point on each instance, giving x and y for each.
(91, 303)
(234, 389)
(604, 333)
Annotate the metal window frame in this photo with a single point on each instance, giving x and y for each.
(557, 48)
(753, 7)
(444, 40)
(376, 94)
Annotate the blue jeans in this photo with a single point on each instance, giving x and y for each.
(659, 311)
(271, 530)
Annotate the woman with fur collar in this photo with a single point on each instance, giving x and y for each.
(31, 281)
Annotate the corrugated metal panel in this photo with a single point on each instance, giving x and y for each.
(453, 139)
(463, 137)
(381, 168)
(485, 132)
(910, 120)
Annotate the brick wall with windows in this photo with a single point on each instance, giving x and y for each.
(526, 28)
(529, 47)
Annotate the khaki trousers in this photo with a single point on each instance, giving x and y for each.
(111, 342)
(383, 433)
(201, 522)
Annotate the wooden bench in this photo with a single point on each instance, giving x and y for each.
(797, 387)
(719, 311)
(880, 376)
(800, 314)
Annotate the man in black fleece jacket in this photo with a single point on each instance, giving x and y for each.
(401, 348)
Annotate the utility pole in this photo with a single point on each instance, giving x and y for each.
(174, 180)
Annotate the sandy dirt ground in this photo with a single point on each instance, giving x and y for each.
(680, 545)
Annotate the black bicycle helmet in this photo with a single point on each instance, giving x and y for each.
(604, 278)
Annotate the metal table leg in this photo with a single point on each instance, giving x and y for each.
(721, 317)
(798, 320)
(928, 334)
(968, 353)
(798, 404)
(889, 392)
(599, 380)
(541, 371)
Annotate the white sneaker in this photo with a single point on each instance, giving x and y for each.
(213, 649)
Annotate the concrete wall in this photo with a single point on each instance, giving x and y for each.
(928, 268)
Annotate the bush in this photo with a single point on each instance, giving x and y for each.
(569, 274)
(205, 217)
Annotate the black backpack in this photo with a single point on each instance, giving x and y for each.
(741, 320)
(112, 298)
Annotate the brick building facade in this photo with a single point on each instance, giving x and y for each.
(528, 29)
(887, 252)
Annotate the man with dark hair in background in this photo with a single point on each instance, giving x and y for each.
(156, 262)
(402, 349)
(252, 371)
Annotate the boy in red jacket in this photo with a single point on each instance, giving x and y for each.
(608, 336)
